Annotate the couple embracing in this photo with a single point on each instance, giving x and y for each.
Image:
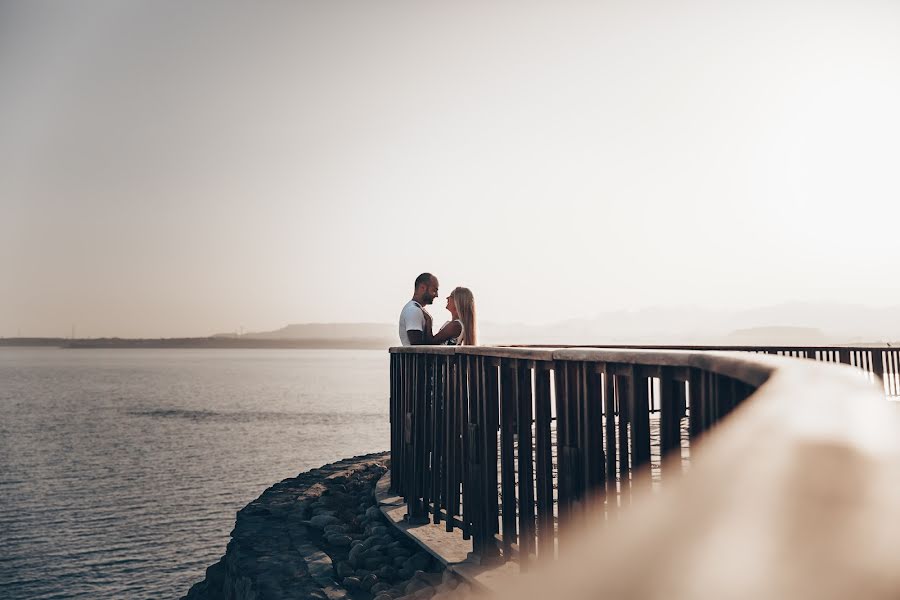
(415, 322)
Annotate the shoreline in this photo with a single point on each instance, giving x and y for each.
(322, 535)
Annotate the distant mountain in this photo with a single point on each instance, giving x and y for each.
(777, 336)
(783, 324)
(846, 322)
(323, 331)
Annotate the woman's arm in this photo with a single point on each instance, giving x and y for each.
(448, 331)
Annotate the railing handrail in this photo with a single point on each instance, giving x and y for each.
(798, 408)
(875, 359)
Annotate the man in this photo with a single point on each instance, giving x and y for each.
(415, 322)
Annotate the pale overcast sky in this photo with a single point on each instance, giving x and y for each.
(184, 168)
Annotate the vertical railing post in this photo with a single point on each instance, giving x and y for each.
(392, 406)
(640, 424)
(467, 460)
(543, 460)
(473, 497)
(844, 356)
(891, 372)
(878, 368)
(595, 461)
(438, 429)
(624, 395)
(564, 471)
(452, 441)
(508, 410)
(526, 470)
(578, 428)
(697, 404)
(612, 491)
(490, 365)
(671, 393)
(415, 509)
(406, 424)
(484, 502)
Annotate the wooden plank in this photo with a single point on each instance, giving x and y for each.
(595, 461)
(624, 394)
(640, 426)
(544, 464)
(671, 391)
(508, 398)
(610, 414)
(526, 470)
(491, 408)
(564, 468)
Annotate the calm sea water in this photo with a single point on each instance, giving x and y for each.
(121, 470)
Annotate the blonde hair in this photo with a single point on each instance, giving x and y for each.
(465, 307)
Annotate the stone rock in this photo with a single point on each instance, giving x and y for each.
(387, 572)
(379, 587)
(425, 594)
(355, 543)
(368, 581)
(368, 543)
(377, 530)
(336, 528)
(399, 561)
(404, 573)
(344, 569)
(417, 562)
(383, 597)
(373, 513)
(375, 563)
(356, 554)
(320, 521)
(351, 583)
(339, 540)
(397, 551)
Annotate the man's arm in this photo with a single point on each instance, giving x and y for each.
(416, 337)
(423, 337)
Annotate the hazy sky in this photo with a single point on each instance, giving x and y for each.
(173, 168)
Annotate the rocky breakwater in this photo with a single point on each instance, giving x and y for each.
(320, 535)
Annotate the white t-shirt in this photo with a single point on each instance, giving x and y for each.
(411, 319)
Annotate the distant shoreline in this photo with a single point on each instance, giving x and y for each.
(207, 342)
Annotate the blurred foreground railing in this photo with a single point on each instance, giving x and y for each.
(512, 445)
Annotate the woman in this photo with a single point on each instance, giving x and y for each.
(461, 329)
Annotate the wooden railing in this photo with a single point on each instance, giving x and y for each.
(511, 445)
(878, 360)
